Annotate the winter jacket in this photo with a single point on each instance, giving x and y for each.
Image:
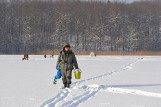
(67, 61)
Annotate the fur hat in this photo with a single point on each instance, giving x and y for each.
(67, 45)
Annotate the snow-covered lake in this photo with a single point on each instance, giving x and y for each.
(107, 81)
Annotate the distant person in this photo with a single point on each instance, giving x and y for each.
(66, 63)
(26, 57)
(52, 55)
(45, 56)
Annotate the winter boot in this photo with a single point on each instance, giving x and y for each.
(65, 85)
(68, 85)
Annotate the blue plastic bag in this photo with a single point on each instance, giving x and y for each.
(58, 75)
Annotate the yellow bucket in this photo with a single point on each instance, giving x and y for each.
(77, 74)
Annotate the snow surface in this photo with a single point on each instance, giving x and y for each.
(107, 81)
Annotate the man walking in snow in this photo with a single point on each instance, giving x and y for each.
(66, 63)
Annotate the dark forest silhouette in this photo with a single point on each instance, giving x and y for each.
(35, 26)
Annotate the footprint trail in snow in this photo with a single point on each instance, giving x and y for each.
(60, 100)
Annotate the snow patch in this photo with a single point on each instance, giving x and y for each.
(90, 90)
(134, 92)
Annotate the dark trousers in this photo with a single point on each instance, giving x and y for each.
(66, 76)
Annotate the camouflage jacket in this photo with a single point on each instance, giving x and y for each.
(67, 60)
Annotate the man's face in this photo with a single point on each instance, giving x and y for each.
(67, 49)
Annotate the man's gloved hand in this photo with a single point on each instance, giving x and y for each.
(57, 67)
(76, 67)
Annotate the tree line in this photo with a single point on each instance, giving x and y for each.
(35, 26)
